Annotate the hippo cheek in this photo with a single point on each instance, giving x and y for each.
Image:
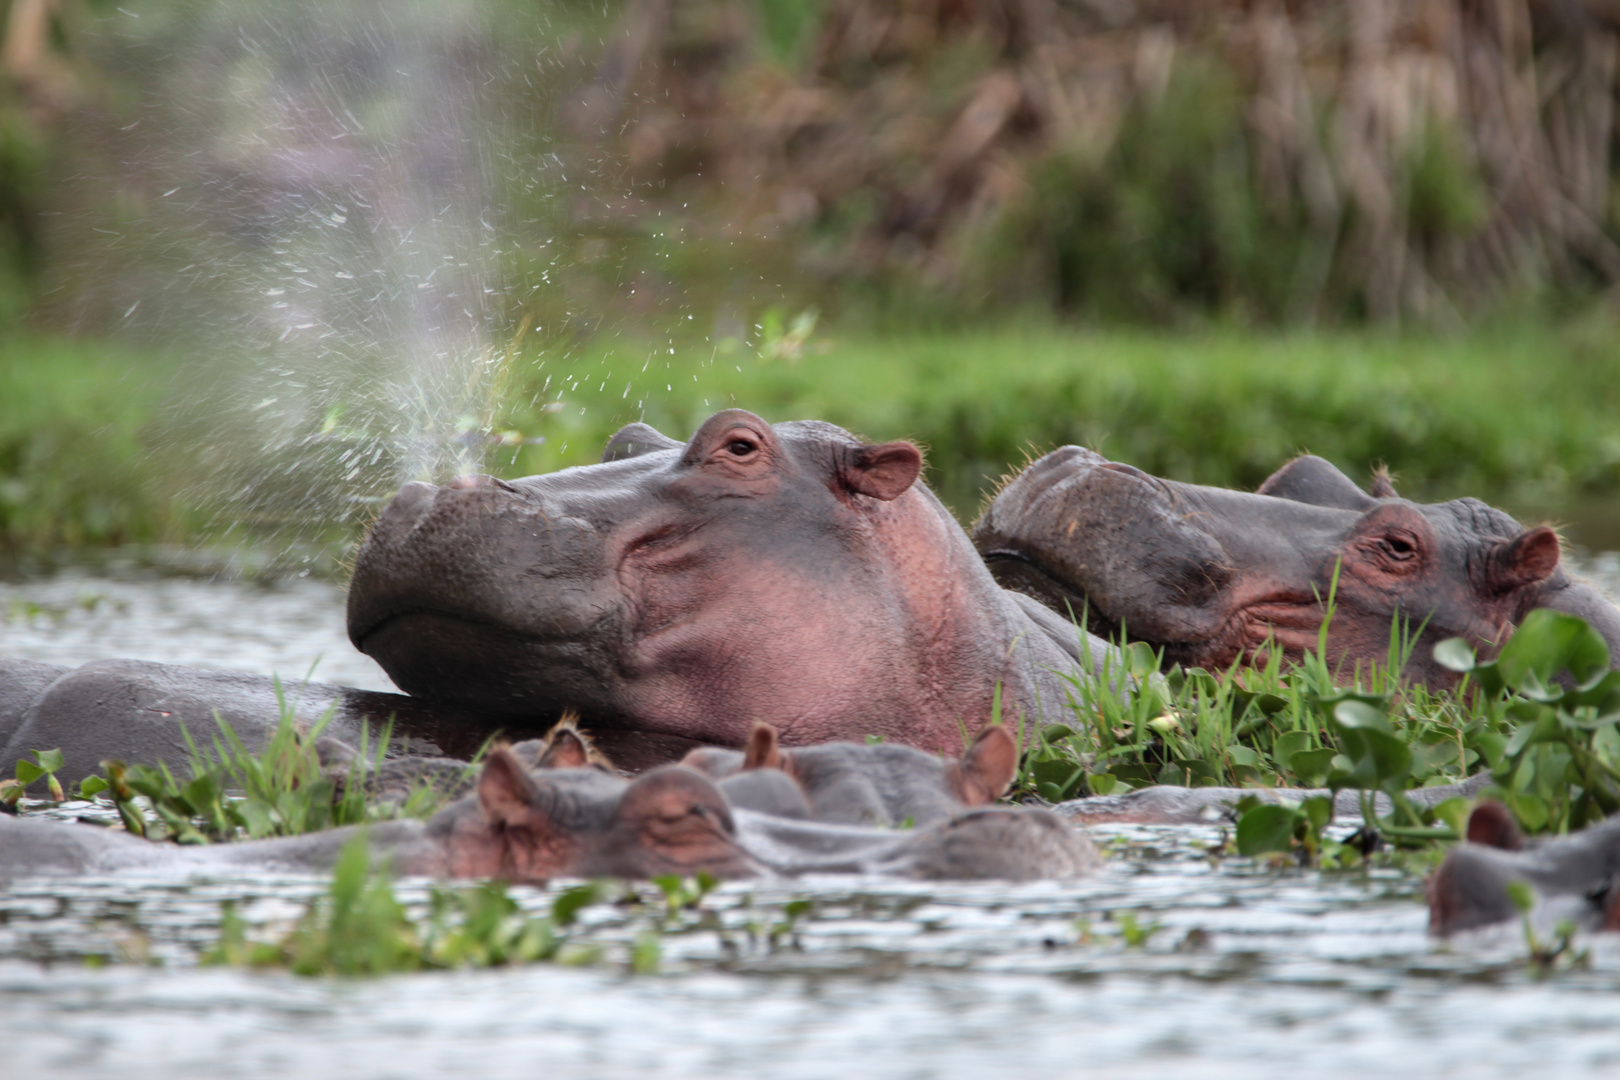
(718, 650)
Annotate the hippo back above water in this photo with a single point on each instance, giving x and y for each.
(1213, 575)
(785, 573)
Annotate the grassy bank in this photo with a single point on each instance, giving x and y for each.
(1523, 415)
(80, 445)
(1527, 414)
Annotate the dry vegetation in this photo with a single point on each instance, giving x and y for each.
(1384, 158)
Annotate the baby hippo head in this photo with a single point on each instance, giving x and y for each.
(584, 822)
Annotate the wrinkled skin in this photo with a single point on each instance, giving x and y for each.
(1573, 876)
(790, 574)
(857, 784)
(582, 821)
(1212, 575)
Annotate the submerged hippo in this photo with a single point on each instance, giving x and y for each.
(532, 825)
(860, 784)
(1575, 877)
(786, 573)
(1212, 575)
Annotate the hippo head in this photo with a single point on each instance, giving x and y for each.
(787, 573)
(1214, 575)
(533, 825)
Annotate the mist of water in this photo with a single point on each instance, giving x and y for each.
(322, 220)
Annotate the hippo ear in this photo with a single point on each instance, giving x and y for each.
(565, 750)
(884, 471)
(1530, 557)
(1383, 485)
(633, 440)
(1314, 480)
(668, 802)
(1493, 825)
(506, 794)
(986, 769)
(762, 751)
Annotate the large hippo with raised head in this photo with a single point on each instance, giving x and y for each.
(785, 573)
(674, 594)
(1213, 575)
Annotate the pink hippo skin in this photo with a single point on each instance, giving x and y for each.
(789, 574)
(1212, 575)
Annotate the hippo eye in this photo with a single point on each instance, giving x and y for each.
(740, 447)
(1398, 548)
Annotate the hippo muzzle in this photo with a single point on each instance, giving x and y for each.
(486, 594)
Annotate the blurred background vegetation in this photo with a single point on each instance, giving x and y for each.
(1200, 235)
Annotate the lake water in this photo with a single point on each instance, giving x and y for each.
(1253, 970)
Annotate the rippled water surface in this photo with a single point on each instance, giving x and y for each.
(1251, 970)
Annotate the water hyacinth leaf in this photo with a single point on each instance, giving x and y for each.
(91, 786)
(1243, 755)
(1287, 745)
(1454, 654)
(1318, 811)
(1311, 766)
(1102, 783)
(572, 901)
(1055, 733)
(1265, 828)
(1548, 642)
(1360, 715)
(1392, 758)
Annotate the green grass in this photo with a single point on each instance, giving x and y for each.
(78, 431)
(1527, 413)
(1524, 414)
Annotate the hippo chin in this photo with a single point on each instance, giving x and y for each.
(1213, 576)
(787, 573)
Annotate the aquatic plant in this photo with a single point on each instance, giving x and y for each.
(1552, 749)
(360, 927)
(283, 790)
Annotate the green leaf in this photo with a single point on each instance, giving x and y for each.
(1243, 755)
(28, 772)
(1288, 744)
(1391, 757)
(1548, 642)
(1311, 766)
(49, 760)
(1101, 783)
(1360, 715)
(91, 786)
(1054, 733)
(1265, 828)
(571, 902)
(1318, 810)
(1454, 654)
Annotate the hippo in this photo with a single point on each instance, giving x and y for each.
(1213, 576)
(787, 573)
(531, 825)
(1572, 877)
(860, 784)
(673, 593)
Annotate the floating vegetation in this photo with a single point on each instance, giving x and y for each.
(359, 927)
